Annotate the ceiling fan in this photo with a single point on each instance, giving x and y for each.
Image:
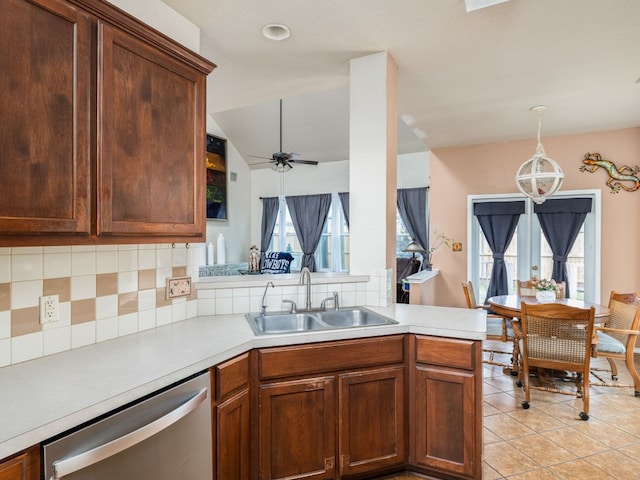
(282, 161)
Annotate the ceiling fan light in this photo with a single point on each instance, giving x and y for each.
(276, 31)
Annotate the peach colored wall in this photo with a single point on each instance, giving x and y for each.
(490, 168)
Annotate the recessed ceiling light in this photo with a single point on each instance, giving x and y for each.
(276, 31)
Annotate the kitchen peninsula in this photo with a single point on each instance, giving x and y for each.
(440, 349)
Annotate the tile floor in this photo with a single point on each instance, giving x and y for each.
(549, 442)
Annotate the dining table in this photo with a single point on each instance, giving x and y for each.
(509, 305)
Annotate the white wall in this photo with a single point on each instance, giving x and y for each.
(413, 171)
(237, 228)
(164, 19)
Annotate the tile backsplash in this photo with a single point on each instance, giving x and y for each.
(104, 292)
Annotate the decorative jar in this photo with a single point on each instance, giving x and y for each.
(546, 296)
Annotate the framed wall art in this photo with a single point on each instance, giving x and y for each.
(216, 178)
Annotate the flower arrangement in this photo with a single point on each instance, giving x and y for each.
(542, 284)
(439, 239)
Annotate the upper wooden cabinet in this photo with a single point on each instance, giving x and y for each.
(103, 140)
(45, 62)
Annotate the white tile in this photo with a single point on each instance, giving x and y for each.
(27, 251)
(5, 352)
(83, 248)
(106, 261)
(192, 308)
(224, 306)
(146, 320)
(56, 249)
(241, 304)
(164, 315)
(26, 347)
(83, 287)
(127, 281)
(161, 276)
(106, 248)
(107, 307)
(206, 293)
(164, 259)
(146, 300)
(83, 263)
(127, 324)
(64, 316)
(179, 310)
(106, 328)
(26, 294)
(146, 259)
(206, 306)
(127, 260)
(56, 340)
(57, 265)
(5, 268)
(5, 324)
(179, 257)
(224, 293)
(5, 250)
(26, 267)
(83, 334)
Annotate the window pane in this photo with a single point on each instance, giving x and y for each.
(403, 238)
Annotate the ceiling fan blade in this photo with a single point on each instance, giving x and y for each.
(304, 162)
(264, 158)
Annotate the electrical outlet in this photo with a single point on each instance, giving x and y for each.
(49, 308)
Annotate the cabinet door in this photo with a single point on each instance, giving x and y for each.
(44, 126)
(297, 429)
(446, 420)
(25, 466)
(151, 140)
(233, 442)
(371, 420)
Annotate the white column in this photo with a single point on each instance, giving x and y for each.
(373, 164)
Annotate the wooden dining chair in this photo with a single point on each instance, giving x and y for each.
(556, 337)
(526, 289)
(617, 338)
(498, 327)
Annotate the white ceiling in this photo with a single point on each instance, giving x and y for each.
(464, 78)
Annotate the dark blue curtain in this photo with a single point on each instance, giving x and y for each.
(344, 201)
(308, 214)
(498, 221)
(560, 221)
(412, 207)
(270, 207)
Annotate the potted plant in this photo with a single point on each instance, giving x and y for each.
(439, 239)
(545, 289)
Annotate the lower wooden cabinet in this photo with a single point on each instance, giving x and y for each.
(24, 466)
(447, 416)
(346, 420)
(297, 429)
(231, 419)
(371, 420)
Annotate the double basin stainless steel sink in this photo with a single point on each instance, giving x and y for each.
(314, 321)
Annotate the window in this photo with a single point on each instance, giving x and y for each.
(332, 254)
(529, 248)
(403, 238)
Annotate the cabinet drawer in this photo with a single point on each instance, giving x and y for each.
(330, 356)
(447, 352)
(231, 376)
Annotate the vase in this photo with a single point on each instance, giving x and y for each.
(545, 296)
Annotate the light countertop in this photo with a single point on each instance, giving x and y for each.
(44, 397)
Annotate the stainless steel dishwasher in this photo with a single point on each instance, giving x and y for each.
(164, 437)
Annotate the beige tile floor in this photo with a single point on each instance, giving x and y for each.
(548, 441)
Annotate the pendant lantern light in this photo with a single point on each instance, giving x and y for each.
(540, 176)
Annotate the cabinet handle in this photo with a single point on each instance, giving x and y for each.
(62, 468)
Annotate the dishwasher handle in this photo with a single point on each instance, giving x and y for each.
(62, 468)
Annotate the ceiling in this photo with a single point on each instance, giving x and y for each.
(463, 78)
